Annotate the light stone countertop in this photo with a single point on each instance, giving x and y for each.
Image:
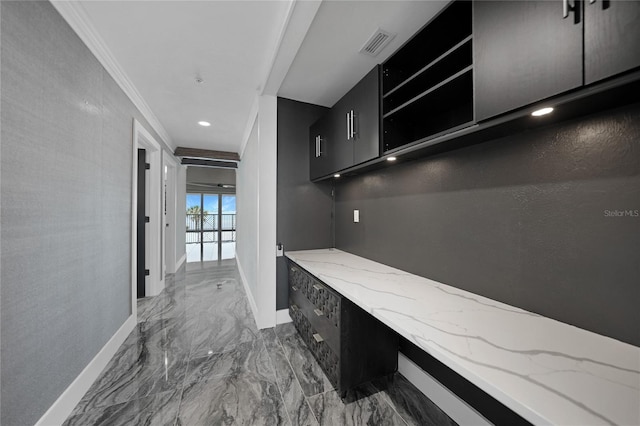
(547, 371)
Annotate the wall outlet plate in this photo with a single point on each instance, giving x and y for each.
(279, 250)
(356, 216)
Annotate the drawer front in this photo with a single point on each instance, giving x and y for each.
(316, 318)
(324, 299)
(320, 349)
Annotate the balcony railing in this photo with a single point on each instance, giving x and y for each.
(205, 228)
(209, 222)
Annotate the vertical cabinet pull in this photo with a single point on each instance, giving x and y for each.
(317, 146)
(353, 130)
(566, 8)
(348, 127)
(318, 338)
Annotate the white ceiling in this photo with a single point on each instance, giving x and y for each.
(237, 47)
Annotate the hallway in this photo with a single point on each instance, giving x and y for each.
(197, 358)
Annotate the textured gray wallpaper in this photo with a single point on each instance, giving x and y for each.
(528, 219)
(303, 208)
(66, 208)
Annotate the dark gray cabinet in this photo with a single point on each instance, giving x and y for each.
(611, 38)
(524, 51)
(351, 346)
(527, 51)
(323, 146)
(349, 134)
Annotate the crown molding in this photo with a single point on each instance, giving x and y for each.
(77, 18)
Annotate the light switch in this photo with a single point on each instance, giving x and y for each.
(356, 216)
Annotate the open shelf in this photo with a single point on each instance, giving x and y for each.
(448, 29)
(448, 106)
(428, 83)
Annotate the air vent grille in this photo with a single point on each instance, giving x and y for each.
(376, 42)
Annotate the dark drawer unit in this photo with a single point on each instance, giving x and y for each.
(351, 346)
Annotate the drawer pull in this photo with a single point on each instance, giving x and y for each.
(318, 312)
(318, 338)
(294, 308)
(294, 288)
(318, 287)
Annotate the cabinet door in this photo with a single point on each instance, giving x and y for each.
(319, 163)
(342, 143)
(523, 52)
(611, 38)
(364, 99)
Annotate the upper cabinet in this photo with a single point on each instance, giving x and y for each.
(611, 38)
(470, 71)
(527, 51)
(349, 134)
(427, 84)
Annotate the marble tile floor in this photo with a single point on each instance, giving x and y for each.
(196, 357)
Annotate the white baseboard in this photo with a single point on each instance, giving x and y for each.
(461, 412)
(252, 302)
(64, 405)
(180, 262)
(282, 316)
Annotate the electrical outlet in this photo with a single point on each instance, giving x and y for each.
(279, 250)
(356, 216)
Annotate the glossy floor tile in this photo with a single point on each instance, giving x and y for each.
(196, 357)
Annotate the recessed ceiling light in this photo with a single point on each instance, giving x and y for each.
(542, 111)
(204, 123)
(337, 175)
(391, 158)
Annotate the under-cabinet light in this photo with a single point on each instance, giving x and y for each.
(337, 175)
(204, 123)
(391, 158)
(542, 111)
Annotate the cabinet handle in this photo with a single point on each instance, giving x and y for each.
(592, 1)
(318, 287)
(318, 338)
(566, 8)
(319, 146)
(353, 130)
(294, 308)
(318, 312)
(294, 288)
(348, 128)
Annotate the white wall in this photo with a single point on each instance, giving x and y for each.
(256, 205)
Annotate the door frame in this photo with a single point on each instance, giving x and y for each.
(155, 280)
(169, 235)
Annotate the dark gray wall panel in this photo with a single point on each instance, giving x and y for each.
(66, 208)
(303, 208)
(520, 219)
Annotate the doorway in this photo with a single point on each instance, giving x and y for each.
(211, 227)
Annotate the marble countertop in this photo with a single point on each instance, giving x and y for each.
(547, 371)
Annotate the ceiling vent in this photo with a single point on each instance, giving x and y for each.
(376, 42)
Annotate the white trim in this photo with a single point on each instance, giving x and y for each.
(461, 412)
(78, 20)
(64, 405)
(253, 116)
(181, 261)
(282, 316)
(271, 74)
(245, 283)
